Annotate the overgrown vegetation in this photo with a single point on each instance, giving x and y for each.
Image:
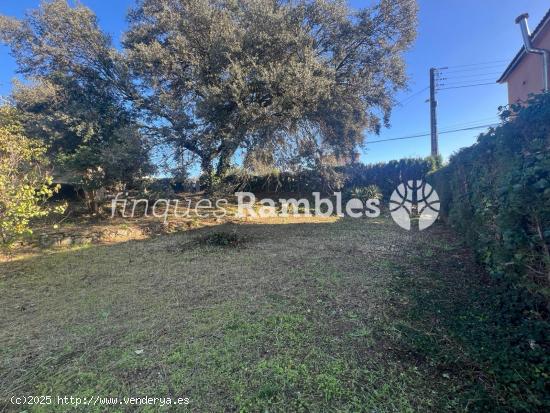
(364, 193)
(386, 176)
(25, 183)
(497, 194)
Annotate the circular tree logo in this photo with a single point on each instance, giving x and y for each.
(414, 201)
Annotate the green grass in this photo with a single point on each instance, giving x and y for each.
(316, 316)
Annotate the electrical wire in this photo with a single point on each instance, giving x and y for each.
(409, 98)
(471, 80)
(460, 87)
(477, 69)
(428, 134)
(473, 71)
(480, 64)
(465, 82)
(494, 119)
(447, 82)
(470, 76)
(478, 77)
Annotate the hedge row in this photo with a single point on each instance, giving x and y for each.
(497, 194)
(387, 176)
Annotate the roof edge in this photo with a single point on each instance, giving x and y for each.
(519, 55)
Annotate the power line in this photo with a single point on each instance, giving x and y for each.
(471, 75)
(476, 69)
(466, 82)
(460, 87)
(408, 99)
(428, 134)
(474, 72)
(495, 119)
(477, 79)
(481, 63)
(401, 138)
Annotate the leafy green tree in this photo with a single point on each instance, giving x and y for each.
(213, 77)
(24, 181)
(222, 75)
(77, 97)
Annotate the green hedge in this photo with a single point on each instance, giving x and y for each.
(386, 176)
(497, 194)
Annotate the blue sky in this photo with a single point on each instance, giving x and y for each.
(451, 33)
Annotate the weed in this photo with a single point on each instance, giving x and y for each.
(221, 239)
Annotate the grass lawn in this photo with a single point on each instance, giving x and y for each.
(349, 315)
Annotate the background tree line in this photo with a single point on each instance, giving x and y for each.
(385, 176)
(287, 83)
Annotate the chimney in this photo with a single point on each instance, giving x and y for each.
(522, 21)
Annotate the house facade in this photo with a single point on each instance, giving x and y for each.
(524, 75)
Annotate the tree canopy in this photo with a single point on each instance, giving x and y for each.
(76, 95)
(210, 78)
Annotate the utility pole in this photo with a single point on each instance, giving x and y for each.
(433, 114)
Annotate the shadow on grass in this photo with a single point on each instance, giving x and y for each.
(483, 336)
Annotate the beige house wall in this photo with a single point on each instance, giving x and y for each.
(526, 78)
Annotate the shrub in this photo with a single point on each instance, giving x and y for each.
(221, 239)
(24, 184)
(152, 188)
(364, 193)
(497, 192)
(388, 175)
(328, 179)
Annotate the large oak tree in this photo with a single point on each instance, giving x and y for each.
(212, 77)
(223, 75)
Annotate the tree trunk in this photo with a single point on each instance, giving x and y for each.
(91, 202)
(207, 173)
(224, 164)
(94, 199)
